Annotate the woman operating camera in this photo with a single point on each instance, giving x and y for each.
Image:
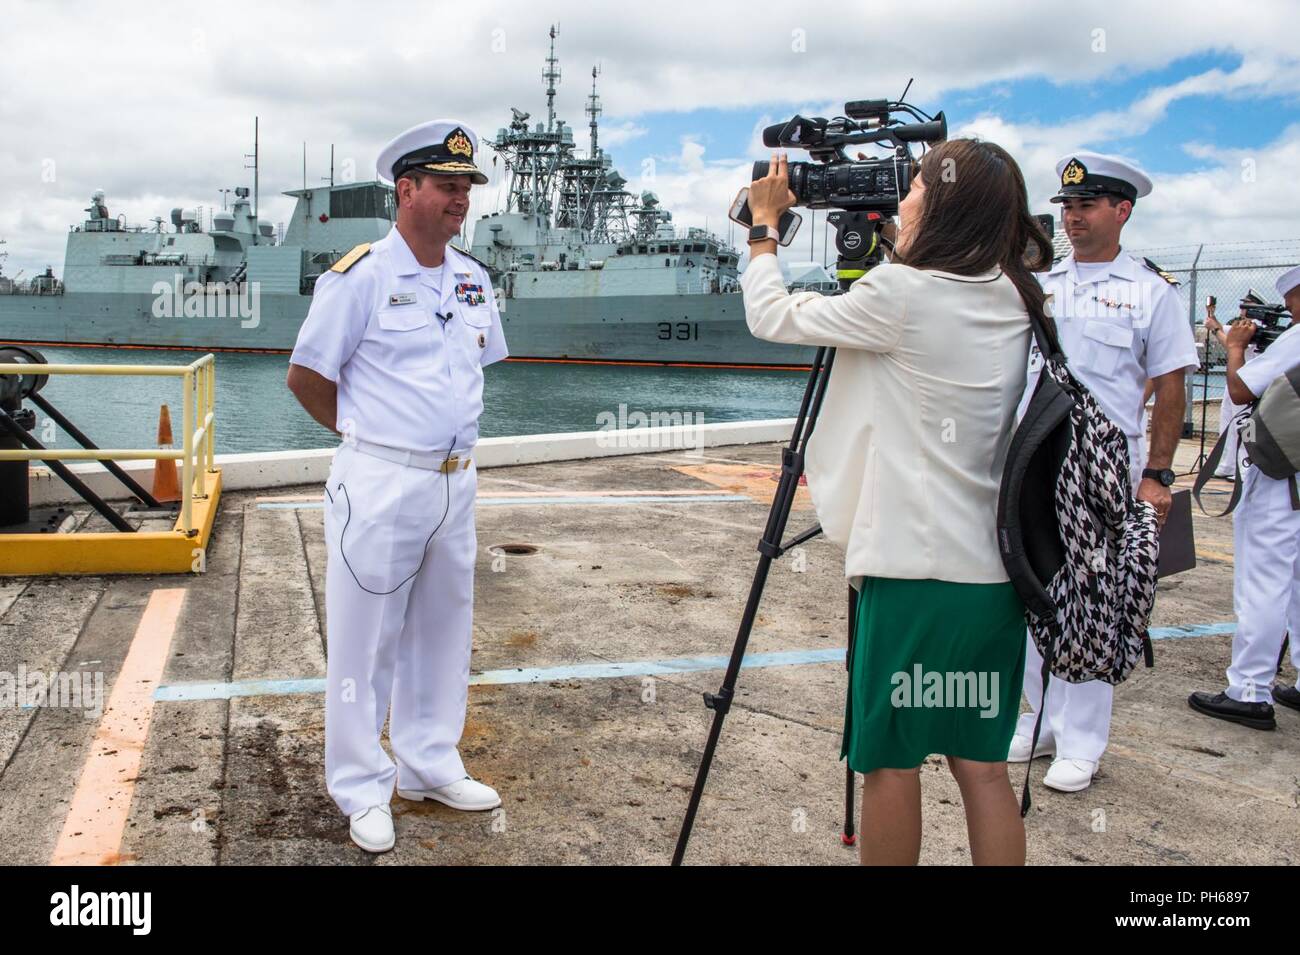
(904, 468)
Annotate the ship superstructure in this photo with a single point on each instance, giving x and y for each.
(584, 268)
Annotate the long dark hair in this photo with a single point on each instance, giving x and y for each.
(975, 216)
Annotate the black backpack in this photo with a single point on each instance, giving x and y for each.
(1080, 550)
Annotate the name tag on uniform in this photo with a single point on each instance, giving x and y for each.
(470, 294)
(402, 298)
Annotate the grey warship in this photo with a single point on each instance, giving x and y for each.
(584, 270)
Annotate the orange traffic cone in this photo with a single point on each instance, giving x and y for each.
(166, 485)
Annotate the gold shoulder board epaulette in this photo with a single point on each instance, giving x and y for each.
(473, 259)
(1160, 272)
(358, 253)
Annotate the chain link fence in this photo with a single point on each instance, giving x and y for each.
(1226, 270)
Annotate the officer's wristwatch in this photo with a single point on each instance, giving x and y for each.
(1164, 475)
(761, 232)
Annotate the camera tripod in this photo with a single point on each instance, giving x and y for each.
(859, 243)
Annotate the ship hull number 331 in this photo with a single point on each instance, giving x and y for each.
(679, 331)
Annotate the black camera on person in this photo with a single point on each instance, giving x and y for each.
(1268, 319)
(833, 180)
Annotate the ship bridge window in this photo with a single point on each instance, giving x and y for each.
(361, 202)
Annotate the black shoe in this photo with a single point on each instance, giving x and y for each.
(1257, 716)
(1287, 696)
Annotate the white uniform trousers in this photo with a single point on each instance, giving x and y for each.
(1078, 714)
(399, 594)
(1265, 584)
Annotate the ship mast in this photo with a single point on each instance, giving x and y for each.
(584, 195)
(593, 110)
(552, 76)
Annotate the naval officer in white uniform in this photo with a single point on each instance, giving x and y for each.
(1266, 542)
(391, 357)
(1120, 323)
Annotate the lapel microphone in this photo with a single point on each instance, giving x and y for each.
(444, 318)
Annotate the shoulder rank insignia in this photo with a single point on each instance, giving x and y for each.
(472, 259)
(357, 253)
(1160, 272)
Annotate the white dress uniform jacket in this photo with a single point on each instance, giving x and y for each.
(406, 378)
(905, 462)
(1117, 329)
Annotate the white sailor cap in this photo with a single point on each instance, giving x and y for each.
(1287, 281)
(1088, 175)
(444, 147)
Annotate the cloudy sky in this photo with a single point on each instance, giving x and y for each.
(155, 105)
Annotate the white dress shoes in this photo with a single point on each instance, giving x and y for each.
(372, 829)
(464, 794)
(1070, 775)
(1020, 749)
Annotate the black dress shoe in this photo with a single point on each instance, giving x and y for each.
(1287, 696)
(1257, 716)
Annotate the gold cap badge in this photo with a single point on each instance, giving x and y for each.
(458, 144)
(1073, 173)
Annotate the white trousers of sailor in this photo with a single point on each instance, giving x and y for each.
(399, 600)
(1265, 584)
(1077, 721)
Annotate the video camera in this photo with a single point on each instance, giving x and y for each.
(833, 180)
(1267, 319)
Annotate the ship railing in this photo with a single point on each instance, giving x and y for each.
(197, 453)
(25, 290)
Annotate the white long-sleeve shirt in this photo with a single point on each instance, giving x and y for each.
(905, 462)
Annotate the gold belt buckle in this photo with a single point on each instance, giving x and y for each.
(453, 464)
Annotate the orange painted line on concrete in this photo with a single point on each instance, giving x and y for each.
(1214, 555)
(96, 820)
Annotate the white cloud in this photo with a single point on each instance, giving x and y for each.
(620, 134)
(156, 106)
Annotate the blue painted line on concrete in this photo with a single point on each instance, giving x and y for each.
(533, 501)
(1204, 630)
(180, 692)
(598, 671)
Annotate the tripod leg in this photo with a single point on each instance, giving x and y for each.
(769, 549)
(850, 836)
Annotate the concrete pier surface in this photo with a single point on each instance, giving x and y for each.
(608, 595)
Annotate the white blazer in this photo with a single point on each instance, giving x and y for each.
(905, 461)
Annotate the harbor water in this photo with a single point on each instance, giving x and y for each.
(256, 412)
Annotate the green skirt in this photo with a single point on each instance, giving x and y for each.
(936, 667)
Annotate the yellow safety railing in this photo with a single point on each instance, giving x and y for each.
(198, 451)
